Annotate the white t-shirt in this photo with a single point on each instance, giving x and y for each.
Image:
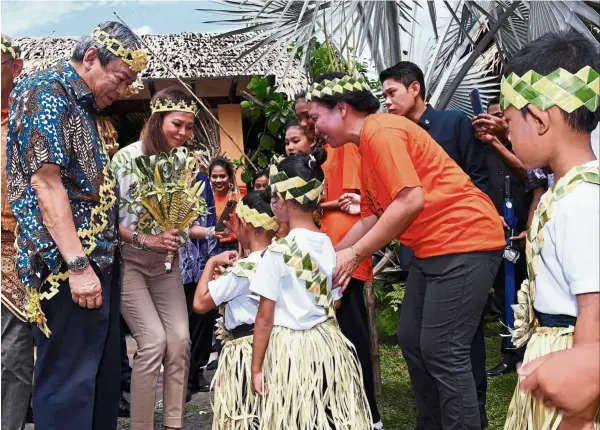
(234, 290)
(570, 258)
(295, 306)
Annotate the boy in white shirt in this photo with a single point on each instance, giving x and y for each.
(550, 98)
(235, 406)
(302, 365)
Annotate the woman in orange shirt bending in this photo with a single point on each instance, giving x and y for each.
(411, 189)
(341, 176)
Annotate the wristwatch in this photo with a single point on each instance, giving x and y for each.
(78, 264)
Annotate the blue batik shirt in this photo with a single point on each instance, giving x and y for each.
(52, 119)
(195, 253)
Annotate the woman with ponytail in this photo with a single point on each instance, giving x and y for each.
(298, 348)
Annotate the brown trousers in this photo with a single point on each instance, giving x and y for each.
(153, 305)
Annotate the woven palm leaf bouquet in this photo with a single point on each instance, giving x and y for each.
(170, 192)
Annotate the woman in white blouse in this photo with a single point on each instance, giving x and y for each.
(153, 301)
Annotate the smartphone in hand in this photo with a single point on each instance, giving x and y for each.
(476, 104)
(226, 215)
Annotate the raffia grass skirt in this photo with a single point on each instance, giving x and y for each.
(235, 406)
(314, 381)
(525, 412)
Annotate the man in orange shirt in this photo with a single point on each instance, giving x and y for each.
(411, 189)
(17, 338)
(342, 175)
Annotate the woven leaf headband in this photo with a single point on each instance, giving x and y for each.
(255, 218)
(295, 188)
(136, 59)
(560, 88)
(337, 86)
(11, 48)
(168, 105)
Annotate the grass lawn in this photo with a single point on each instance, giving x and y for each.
(397, 404)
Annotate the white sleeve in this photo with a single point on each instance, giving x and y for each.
(267, 279)
(577, 231)
(227, 288)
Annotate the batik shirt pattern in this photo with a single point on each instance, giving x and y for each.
(52, 119)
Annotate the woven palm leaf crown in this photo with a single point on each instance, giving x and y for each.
(342, 85)
(560, 88)
(11, 48)
(257, 219)
(168, 105)
(296, 188)
(136, 59)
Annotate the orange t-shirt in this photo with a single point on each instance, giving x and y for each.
(342, 175)
(220, 203)
(457, 217)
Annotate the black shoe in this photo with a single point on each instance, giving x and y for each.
(29, 417)
(126, 385)
(500, 369)
(212, 365)
(203, 384)
(124, 410)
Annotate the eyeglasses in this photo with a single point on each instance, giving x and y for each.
(5, 61)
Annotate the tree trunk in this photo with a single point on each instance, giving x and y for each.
(374, 337)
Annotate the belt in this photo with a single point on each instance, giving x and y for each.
(242, 331)
(550, 320)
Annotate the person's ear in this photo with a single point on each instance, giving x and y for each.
(343, 109)
(539, 119)
(17, 66)
(89, 57)
(415, 87)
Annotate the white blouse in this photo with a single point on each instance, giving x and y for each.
(241, 307)
(295, 306)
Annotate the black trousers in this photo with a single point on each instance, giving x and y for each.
(77, 369)
(201, 334)
(354, 324)
(442, 308)
(497, 304)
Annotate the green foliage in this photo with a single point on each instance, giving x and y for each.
(396, 296)
(266, 102)
(388, 298)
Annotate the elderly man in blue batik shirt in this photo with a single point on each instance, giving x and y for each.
(404, 92)
(192, 259)
(62, 192)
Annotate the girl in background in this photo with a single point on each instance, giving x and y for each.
(222, 179)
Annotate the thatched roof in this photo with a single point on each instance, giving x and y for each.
(191, 55)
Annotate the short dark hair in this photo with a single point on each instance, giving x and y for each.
(225, 164)
(362, 101)
(260, 174)
(302, 165)
(259, 200)
(569, 50)
(406, 73)
(493, 101)
(300, 95)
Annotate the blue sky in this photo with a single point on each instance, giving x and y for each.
(78, 17)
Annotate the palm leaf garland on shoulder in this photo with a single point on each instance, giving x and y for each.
(169, 190)
(307, 270)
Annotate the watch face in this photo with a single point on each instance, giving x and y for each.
(79, 263)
